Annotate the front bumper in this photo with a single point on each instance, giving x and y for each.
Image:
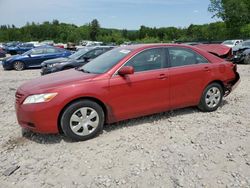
(7, 65)
(48, 70)
(238, 58)
(40, 118)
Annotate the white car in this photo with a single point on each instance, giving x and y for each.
(232, 43)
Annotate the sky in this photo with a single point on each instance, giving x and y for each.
(120, 14)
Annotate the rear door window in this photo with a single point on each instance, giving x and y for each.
(183, 57)
(37, 51)
(51, 51)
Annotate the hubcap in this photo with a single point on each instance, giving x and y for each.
(213, 97)
(19, 65)
(84, 121)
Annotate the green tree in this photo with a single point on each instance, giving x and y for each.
(235, 13)
(94, 29)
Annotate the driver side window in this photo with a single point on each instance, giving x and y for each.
(147, 60)
(37, 51)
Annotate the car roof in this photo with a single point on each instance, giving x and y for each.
(202, 52)
(145, 46)
(47, 46)
(102, 47)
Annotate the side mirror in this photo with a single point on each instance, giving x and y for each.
(29, 55)
(126, 70)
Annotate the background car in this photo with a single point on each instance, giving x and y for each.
(241, 52)
(18, 48)
(2, 53)
(10, 47)
(77, 59)
(232, 43)
(33, 58)
(124, 83)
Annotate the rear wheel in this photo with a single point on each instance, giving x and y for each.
(82, 120)
(19, 65)
(211, 98)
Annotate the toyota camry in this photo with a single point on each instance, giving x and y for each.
(124, 83)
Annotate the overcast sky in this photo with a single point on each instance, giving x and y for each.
(129, 14)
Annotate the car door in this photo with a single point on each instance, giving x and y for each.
(189, 73)
(144, 92)
(52, 53)
(35, 57)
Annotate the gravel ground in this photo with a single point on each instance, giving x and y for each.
(181, 148)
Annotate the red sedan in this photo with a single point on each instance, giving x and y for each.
(124, 83)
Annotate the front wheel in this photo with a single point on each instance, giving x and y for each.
(247, 59)
(19, 65)
(211, 98)
(82, 120)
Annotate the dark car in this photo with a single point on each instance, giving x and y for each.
(77, 59)
(241, 52)
(24, 48)
(33, 58)
(18, 48)
(11, 47)
(2, 53)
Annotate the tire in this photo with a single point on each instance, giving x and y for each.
(211, 98)
(80, 128)
(26, 133)
(247, 59)
(19, 65)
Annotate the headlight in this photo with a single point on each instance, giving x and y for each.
(39, 98)
(52, 65)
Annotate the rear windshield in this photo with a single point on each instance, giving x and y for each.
(106, 61)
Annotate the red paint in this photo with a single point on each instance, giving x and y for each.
(124, 96)
(217, 49)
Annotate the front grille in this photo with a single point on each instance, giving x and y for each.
(19, 97)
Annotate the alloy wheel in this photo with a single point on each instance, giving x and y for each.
(18, 65)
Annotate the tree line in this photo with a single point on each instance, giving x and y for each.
(235, 16)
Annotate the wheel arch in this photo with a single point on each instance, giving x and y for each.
(218, 82)
(98, 101)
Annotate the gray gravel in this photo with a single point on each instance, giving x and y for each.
(181, 148)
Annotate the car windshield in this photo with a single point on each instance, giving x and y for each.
(28, 52)
(230, 42)
(79, 53)
(105, 62)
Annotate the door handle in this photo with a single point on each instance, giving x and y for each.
(162, 77)
(207, 69)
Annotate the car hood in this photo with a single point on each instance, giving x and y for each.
(57, 60)
(55, 80)
(14, 57)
